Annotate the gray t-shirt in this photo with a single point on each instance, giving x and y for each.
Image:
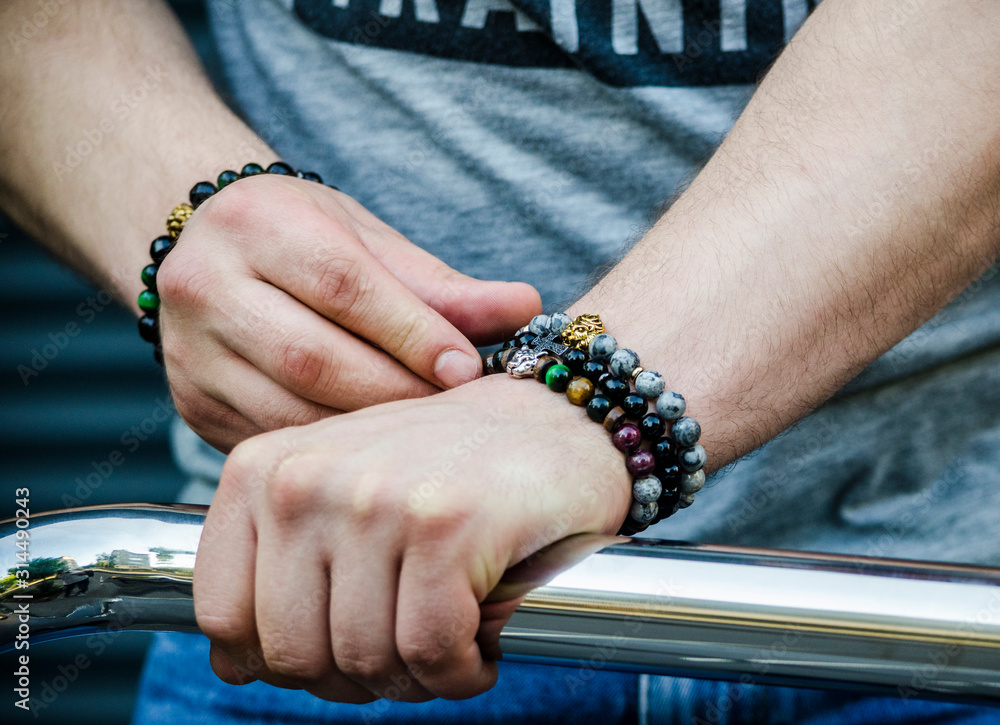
(533, 139)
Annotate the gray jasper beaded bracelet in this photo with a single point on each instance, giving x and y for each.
(149, 298)
(579, 358)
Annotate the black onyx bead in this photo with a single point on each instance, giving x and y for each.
(310, 176)
(524, 338)
(149, 276)
(631, 527)
(598, 408)
(664, 451)
(251, 170)
(652, 426)
(149, 329)
(615, 390)
(507, 344)
(669, 476)
(592, 370)
(280, 167)
(574, 360)
(635, 406)
(665, 504)
(200, 192)
(226, 178)
(160, 247)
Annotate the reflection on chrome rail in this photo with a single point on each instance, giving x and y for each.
(914, 629)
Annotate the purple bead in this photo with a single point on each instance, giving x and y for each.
(640, 463)
(627, 438)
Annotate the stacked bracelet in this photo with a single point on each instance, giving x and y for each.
(149, 299)
(577, 357)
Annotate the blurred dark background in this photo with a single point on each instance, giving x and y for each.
(56, 424)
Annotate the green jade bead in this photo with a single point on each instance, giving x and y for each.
(149, 301)
(558, 378)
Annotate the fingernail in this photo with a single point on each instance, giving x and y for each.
(454, 367)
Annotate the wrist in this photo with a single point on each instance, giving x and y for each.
(602, 485)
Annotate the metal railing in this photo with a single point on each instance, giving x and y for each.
(771, 617)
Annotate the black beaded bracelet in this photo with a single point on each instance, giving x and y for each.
(577, 357)
(149, 298)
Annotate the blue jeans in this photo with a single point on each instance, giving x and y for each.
(179, 687)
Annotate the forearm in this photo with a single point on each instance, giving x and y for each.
(856, 196)
(107, 121)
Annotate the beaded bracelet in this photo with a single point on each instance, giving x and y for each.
(579, 358)
(149, 299)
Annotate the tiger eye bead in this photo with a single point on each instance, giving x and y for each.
(490, 364)
(579, 391)
(614, 418)
(503, 357)
(557, 378)
(543, 365)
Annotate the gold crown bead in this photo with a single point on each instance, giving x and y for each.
(177, 219)
(581, 331)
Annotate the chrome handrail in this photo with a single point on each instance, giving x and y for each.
(771, 617)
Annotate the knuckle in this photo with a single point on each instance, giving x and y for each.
(422, 653)
(342, 285)
(238, 207)
(294, 487)
(364, 667)
(408, 331)
(307, 365)
(281, 659)
(221, 627)
(202, 412)
(185, 280)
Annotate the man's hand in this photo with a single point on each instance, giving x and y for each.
(278, 292)
(350, 557)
